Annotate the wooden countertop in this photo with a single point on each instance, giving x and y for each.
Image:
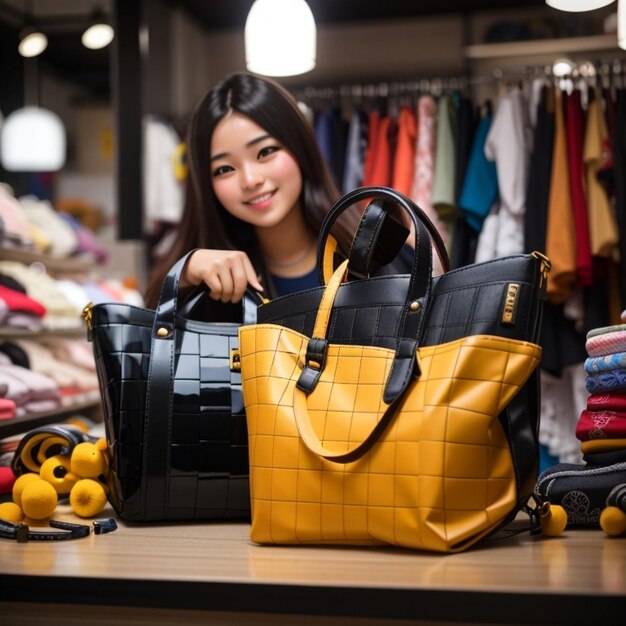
(578, 578)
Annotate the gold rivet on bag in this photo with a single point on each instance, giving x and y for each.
(414, 306)
(163, 332)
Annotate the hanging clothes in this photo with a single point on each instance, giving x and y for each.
(356, 146)
(464, 237)
(506, 145)
(421, 191)
(561, 234)
(443, 191)
(404, 159)
(332, 135)
(480, 187)
(540, 167)
(381, 155)
(163, 193)
(603, 225)
(574, 129)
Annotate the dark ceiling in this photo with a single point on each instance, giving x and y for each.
(66, 56)
(215, 14)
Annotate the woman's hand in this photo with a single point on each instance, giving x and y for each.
(226, 273)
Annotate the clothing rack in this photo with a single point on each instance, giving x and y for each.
(608, 71)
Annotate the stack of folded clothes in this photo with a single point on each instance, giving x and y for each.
(601, 428)
(582, 489)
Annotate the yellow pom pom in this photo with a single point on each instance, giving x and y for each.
(87, 461)
(56, 471)
(87, 498)
(78, 422)
(20, 483)
(553, 521)
(613, 521)
(39, 499)
(10, 512)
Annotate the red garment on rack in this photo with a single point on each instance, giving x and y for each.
(404, 159)
(574, 127)
(381, 156)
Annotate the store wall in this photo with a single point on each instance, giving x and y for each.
(352, 52)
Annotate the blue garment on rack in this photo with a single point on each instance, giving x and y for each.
(480, 185)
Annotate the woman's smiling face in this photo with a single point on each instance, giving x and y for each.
(254, 177)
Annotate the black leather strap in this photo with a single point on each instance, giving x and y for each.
(413, 314)
(385, 194)
(378, 240)
(250, 301)
(159, 395)
(22, 533)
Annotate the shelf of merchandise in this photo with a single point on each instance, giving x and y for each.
(53, 264)
(60, 266)
(8, 333)
(17, 425)
(545, 47)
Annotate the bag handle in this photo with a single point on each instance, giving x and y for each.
(159, 397)
(413, 313)
(389, 197)
(313, 369)
(249, 303)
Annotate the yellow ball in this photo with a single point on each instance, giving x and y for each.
(87, 498)
(11, 512)
(39, 499)
(553, 523)
(87, 460)
(56, 471)
(20, 483)
(613, 521)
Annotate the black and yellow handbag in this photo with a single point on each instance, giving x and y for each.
(396, 409)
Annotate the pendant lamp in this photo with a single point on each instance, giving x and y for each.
(32, 42)
(280, 38)
(576, 6)
(99, 33)
(33, 140)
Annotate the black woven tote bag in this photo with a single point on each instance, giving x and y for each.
(174, 416)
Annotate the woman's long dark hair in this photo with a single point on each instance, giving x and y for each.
(205, 223)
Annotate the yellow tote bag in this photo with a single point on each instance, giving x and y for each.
(338, 465)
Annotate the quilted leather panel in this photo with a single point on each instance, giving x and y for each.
(467, 301)
(441, 475)
(463, 302)
(208, 448)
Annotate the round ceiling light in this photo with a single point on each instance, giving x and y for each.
(32, 42)
(32, 140)
(576, 6)
(280, 38)
(98, 36)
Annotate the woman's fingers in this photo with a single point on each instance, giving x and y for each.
(251, 276)
(226, 273)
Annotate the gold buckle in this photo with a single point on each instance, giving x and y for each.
(235, 360)
(87, 315)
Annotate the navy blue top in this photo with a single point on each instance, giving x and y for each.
(286, 285)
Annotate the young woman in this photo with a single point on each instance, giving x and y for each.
(257, 191)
